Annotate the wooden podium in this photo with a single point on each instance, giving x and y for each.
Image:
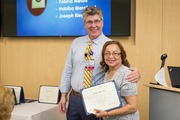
(164, 102)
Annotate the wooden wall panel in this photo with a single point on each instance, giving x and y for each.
(31, 63)
(171, 29)
(148, 39)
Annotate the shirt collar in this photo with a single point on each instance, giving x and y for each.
(97, 40)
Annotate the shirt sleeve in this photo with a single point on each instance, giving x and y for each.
(65, 84)
(129, 89)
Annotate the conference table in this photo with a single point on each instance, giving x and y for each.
(37, 111)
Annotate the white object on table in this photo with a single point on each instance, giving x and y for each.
(36, 111)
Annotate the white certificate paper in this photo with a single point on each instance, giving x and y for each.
(18, 93)
(104, 96)
(49, 94)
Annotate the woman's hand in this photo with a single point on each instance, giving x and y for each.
(100, 113)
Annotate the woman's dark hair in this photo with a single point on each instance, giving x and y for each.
(125, 62)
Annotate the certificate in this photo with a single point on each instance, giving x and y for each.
(18, 92)
(49, 94)
(104, 96)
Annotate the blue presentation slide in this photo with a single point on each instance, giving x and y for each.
(58, 17)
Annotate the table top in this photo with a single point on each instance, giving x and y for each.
(162, 87)
(36, 111)
(32, 108)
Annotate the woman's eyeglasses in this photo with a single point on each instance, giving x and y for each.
(114, 54)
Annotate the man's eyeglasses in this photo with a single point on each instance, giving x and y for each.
(89, 22)
(114, 54)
